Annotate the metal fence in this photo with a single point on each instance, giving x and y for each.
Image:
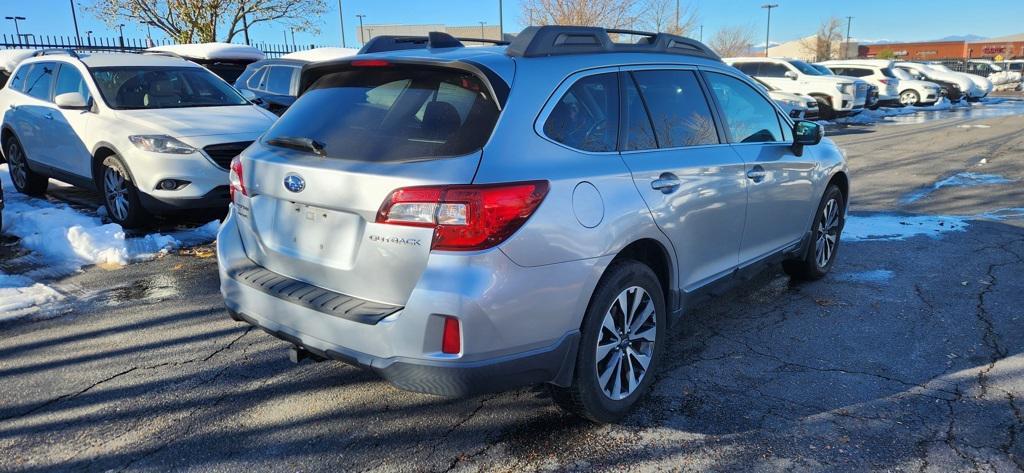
(120, 44)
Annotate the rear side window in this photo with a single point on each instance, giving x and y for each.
(678, 109)
(887, 72)
(748, 68)
(770, 69)
(18, 79)
(387, 114)
(587, 116)
(279, 80)
(39, 80)
(749, 117)
(70, 80)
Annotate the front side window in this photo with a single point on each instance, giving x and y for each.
(748, 68)
(389, 114)
(129, 88)
(637, 132)
(70, 80)
(805, 68)
(587, 116)
(39, 80)
(749, 117)
(255, 81)
(678, 109)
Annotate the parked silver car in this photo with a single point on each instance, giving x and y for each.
(469, 219)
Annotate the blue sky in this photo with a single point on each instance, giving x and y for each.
(903, 20)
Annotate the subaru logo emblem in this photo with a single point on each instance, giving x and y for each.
(294, 183)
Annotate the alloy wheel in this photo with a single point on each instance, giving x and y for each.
(16, 160)
(115, 190)
(827, 234)
(908, 98)
(625, 344)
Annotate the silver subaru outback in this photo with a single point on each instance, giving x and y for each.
(471, 219)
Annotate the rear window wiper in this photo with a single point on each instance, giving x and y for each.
(300, 143)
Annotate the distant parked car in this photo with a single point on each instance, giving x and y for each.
(226, 60)
(836, 96)
(152, 133)
(967, 87)
(9, 60)
(950, 90)
(983, 84)
(273, 83)
(797, 106)
(876, 72)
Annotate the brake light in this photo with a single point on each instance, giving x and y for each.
(235, 178)
(465, 217)
(884, 81)
(451, 339)
(370, 63)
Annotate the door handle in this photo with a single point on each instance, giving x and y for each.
(667, 183)
(757, 174)
(48, 116)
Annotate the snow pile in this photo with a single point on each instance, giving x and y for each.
(10, 58)
(213, 51)
(886, 227)
(20, 296)
(1004, 77)
(321, 54)
(67, 239)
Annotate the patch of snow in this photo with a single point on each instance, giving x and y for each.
(876, 276)
(321, 54)
(887, 227)
(974, 126)
(208, 51)
(65, 239)
(1002, 214)
(20, 296)
(962, 179)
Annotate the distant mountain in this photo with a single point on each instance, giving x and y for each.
(963, 37)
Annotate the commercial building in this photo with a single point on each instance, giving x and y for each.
(1008, 47)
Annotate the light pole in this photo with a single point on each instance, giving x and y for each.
(88, 37)
(482, 23)
(341, 18)
(120, 28)
(74, 18)
(768, 32)
(846, 50)
(702, 33)
(294, 46)
(677, 17)
(17, 31)
(361, 39)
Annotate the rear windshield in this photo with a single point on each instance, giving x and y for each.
(394, 113)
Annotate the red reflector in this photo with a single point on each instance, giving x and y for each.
(451, 340)
(370, 63)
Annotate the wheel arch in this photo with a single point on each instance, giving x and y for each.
(6, 133)
(841, 180)
(653, 253)
(100, 152)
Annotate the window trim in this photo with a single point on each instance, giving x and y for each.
(783, 118)
(556, 97)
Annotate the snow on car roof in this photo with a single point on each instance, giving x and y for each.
(321, 54)
(9, 58)
(101, 59)
(213, 51)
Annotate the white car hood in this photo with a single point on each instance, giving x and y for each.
(200, 121)
(779, 95)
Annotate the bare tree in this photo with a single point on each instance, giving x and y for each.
(732, 41)
(827, 43)
(205, 20)
(605, 13)
(661, 16)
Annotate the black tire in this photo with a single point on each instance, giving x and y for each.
(810, 268)
(115, 181)
(825, 110)
(25, 180)
(586, 397)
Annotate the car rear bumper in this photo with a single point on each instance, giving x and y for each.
(510, 337)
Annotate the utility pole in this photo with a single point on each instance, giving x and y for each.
(149, 33)
(361, 39)
(501, 22)
(482, 23)
(74, 18)
(341, 18)
(677, 17)
(17, 31)
(702, 33)
(768, 32)
(846, 50)
(120, 28)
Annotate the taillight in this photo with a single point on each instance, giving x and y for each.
(884, 81)
(235, 178)
(468, 217)
(451, 339)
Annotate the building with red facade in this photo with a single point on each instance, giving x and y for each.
(1009, 47)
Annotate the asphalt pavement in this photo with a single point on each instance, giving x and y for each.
(907, 357)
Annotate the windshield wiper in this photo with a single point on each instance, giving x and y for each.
(300, 143)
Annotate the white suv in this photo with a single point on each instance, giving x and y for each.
(836, 96)
(152, 133)
(881, 72)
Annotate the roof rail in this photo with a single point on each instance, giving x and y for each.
(161, 53)
(554, 40)
(433, 40)
(47, 52)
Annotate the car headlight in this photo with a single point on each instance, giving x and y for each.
(161, 144)
(791, 103)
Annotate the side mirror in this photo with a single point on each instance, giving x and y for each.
(71, 101)
(806, 133)
(791, 75)
(248, 94)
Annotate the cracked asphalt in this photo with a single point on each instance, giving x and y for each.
(920, 370)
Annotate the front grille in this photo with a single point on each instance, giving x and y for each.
(223, 153)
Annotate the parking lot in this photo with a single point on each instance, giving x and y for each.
(907, 357)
